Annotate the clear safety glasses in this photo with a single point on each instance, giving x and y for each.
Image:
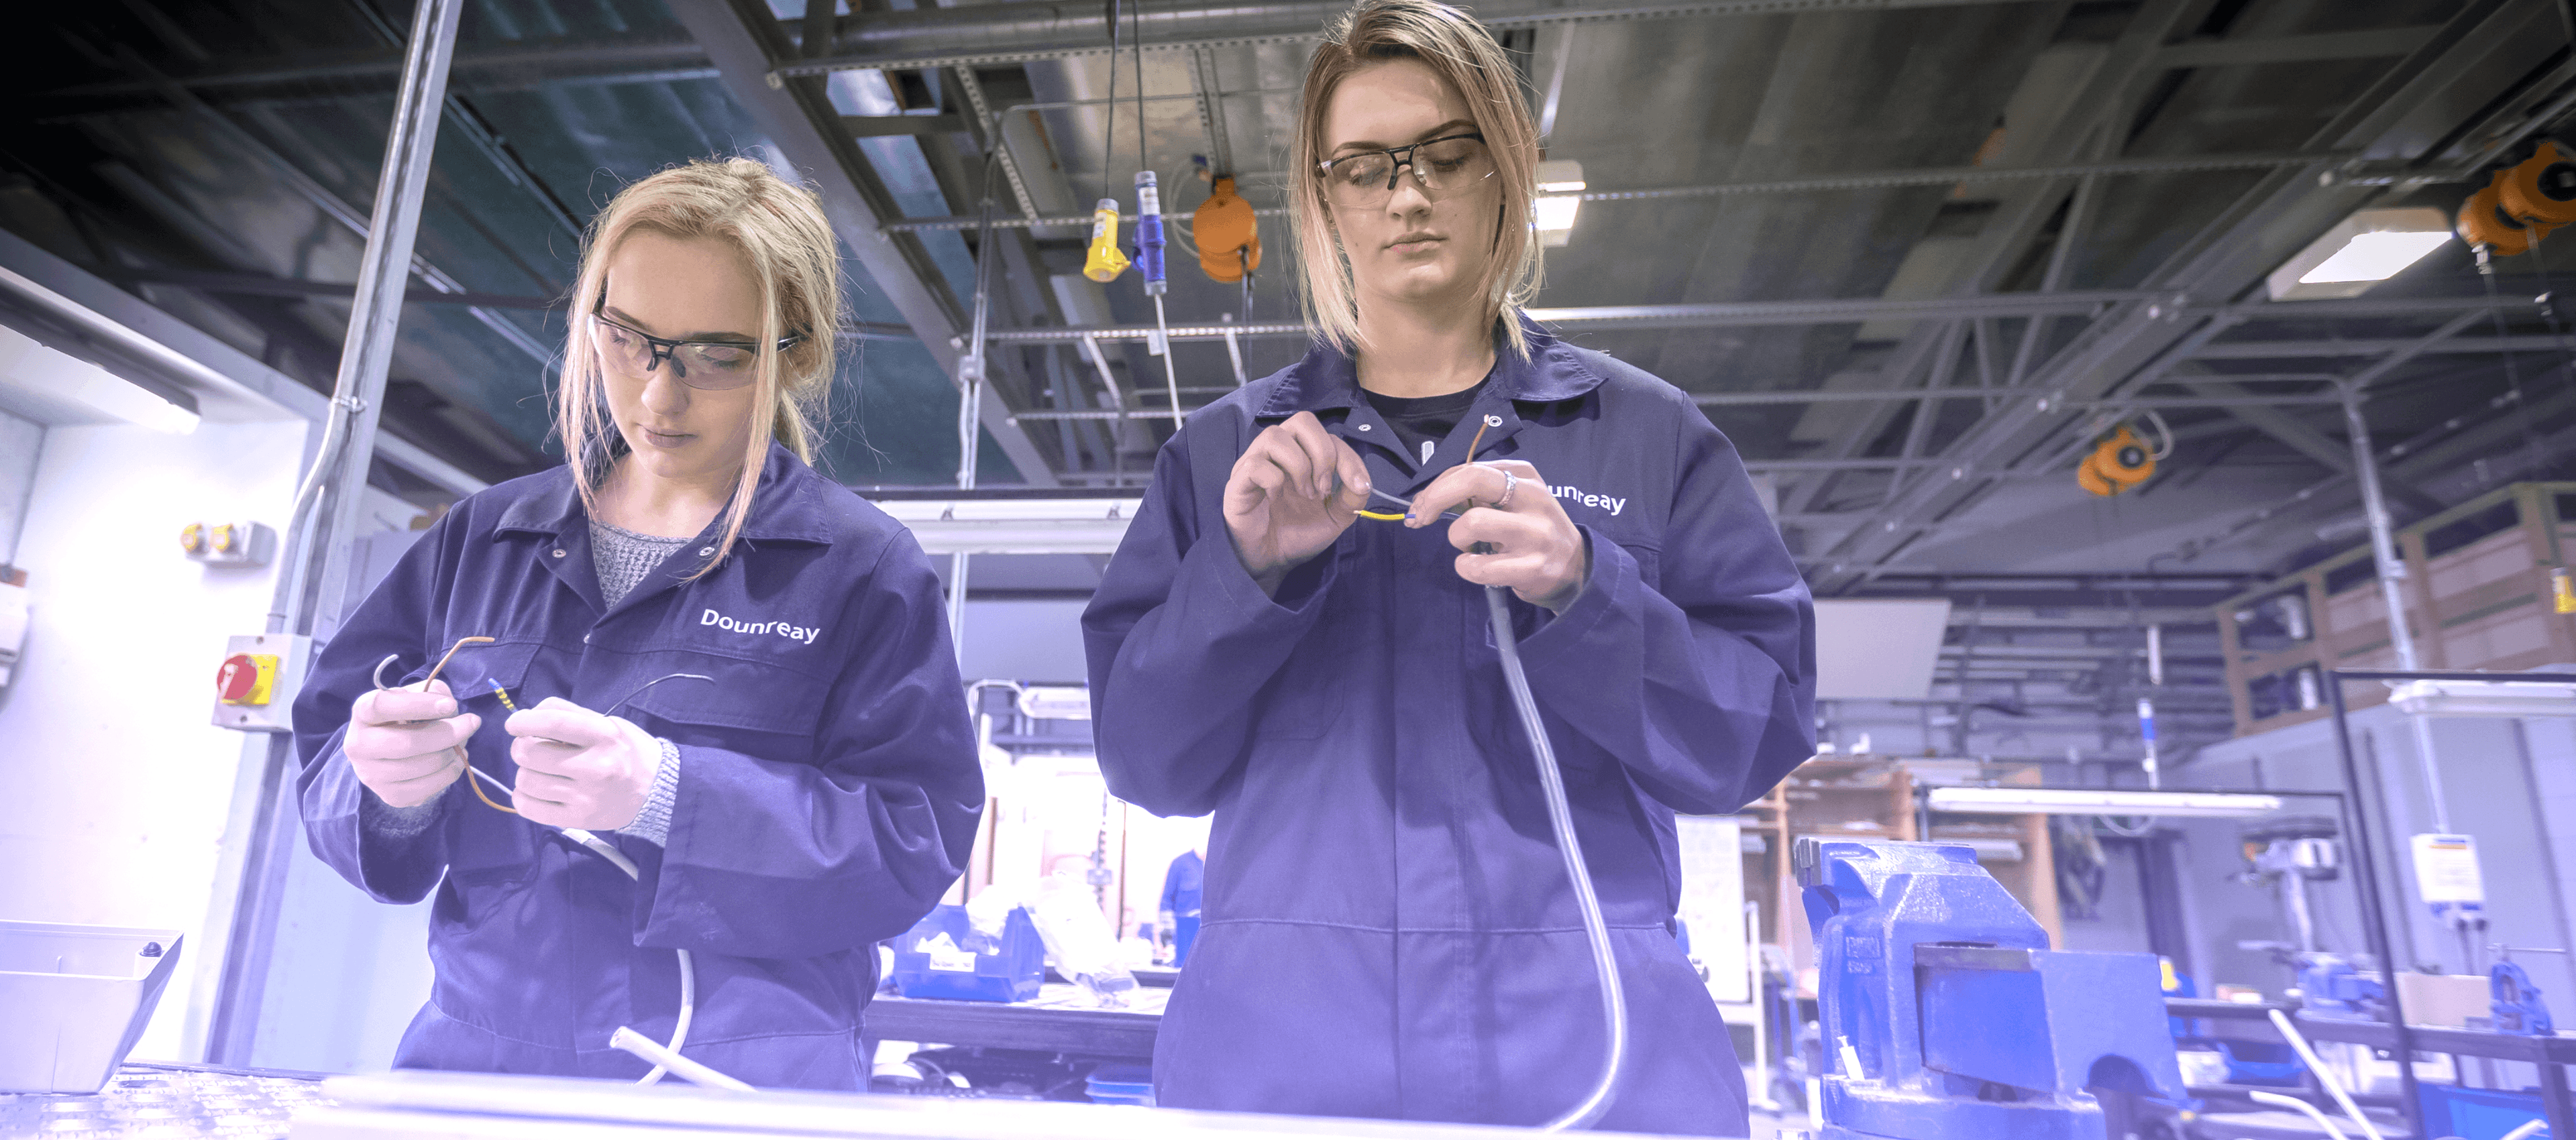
(707, 365)
(1442, 167)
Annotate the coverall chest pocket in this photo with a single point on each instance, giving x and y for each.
(488, 846)
(770, 712)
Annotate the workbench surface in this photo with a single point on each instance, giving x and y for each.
(169, 1102)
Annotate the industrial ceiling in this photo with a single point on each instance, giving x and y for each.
(1911, 255)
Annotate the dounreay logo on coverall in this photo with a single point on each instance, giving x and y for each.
(782, 629)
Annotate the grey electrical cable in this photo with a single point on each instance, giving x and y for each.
(1614, 1005)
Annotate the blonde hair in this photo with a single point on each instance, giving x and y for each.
(779, 228)
(1465, 56)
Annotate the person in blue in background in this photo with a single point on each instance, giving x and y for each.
(1183, 884)
(1388, 929)
(817, 791)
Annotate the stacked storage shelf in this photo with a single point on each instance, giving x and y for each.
(2477, 593)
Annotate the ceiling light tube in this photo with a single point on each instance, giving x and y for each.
(2094, 801)
(2363, 250)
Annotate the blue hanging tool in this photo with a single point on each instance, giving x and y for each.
(1149, 262)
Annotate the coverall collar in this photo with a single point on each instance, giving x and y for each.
(786, 506)
(1328, 378)
(1326, 382)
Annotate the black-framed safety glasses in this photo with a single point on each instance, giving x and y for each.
(707, 365)
(1441, 166)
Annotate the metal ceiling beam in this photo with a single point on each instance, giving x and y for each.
(2377, 346)
(2125, 67)
(2374, 43)
(2266, 416)
(323, 199)
(2250, 239)
(1860, 180)
(1017, 33)
(799, 119)
(621, 57)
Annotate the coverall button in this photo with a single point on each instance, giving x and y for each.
(1364, 427)
(559, 552)
(703, 551)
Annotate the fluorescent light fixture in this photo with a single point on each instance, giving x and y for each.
(2369, 247)
(51, 387)
(1015, 526)
(1560, 188)
(2486, 698)
(2091, 801)
(2373, 257)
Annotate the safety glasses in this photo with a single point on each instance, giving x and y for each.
(1442, 167)
(707, 365)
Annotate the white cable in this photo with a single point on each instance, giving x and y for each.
(2276, 1100)
(688, 966)
(2527, 1131)
(2165, 429)
(1614, 1005)
(645, 1047)
(2281, 1021)
(1171, 382)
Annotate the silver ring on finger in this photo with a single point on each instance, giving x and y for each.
(1510, 481)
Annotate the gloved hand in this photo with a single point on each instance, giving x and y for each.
(1513, 532)
(402, 742)
(1294, 491)
(580, 769)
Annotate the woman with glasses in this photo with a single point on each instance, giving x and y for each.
(1294, 636)
(684, 642)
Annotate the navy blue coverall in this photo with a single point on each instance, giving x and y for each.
(1388, 930)
(828, 783)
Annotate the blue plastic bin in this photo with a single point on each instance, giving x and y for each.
(2477, 1114)
(943, 956)
(1120, 1084)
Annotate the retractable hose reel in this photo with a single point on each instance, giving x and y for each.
(2120, 460)
(2521, 203)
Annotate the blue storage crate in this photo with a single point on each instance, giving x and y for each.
(2477, 1114)
(1120, 1084)
(943, 956)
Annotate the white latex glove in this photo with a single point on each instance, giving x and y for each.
(403, 742)
(580, 769)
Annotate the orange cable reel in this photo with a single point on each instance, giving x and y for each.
(2540, 189)
(1228, 236)
(2119, 462)
(2484, 222)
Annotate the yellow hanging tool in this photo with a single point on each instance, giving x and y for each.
(1106, 260)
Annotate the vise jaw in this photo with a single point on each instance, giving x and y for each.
(1945, 1014)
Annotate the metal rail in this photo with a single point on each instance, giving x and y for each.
(327, 508)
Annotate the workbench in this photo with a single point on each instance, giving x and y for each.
(2546, 1054)
(1059, 1020)
(170, 1102)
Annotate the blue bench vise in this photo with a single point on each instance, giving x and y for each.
(1947, 1017)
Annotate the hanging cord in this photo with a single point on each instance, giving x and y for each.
(1109, 142)
(1551, 780)
(2512, 374)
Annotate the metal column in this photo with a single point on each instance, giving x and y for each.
(326, 506)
